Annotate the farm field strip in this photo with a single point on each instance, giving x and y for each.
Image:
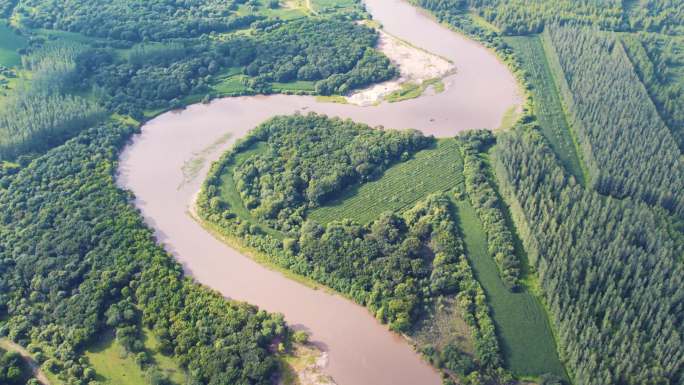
(400, 187)
(547, 102)
(524, 332)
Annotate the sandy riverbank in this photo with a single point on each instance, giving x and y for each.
(415, 67)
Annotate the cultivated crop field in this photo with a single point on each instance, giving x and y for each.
(524, 332)
(401, 186)
(547, 102)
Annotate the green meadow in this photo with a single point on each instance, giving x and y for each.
(113, 366)
(524, 332)
(10, 42)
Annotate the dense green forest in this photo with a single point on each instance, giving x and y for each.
(523, 17)
(13, 369)
(659, 61)
(122, 20)
(77, 260)
(611, 277)
(628, 149)
(603, 263)
(138, 79)
(299, 50)
(35, 122)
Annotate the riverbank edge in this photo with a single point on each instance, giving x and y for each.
(509, 60)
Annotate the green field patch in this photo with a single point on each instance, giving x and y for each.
(113, 366)
(411, 90)
(229, 194)
(401, 186)
(10, 42)
(54, 34)
(286, 10)
(524, 332)
(331, 99)
(8, 85)
(547, 102)
(231, 85)
(296, 86)
(509, 119)
(332, 5)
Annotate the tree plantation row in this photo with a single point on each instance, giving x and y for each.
(519, 17)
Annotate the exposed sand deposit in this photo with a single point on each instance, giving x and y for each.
(415, 67)
(305, 367)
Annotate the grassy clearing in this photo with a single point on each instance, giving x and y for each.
(402, 185)
(232, 82)
(114, 367)
(509, 119)
(483, 23)
(229, 195)
(547, 102)
(167, 365)
(10, 42)
(524, 331)
(321, 6)
(52, 34)
(412, 90)
(296, 86)
(445, 325)
(332, 99)
(9, 85)
(287, 10)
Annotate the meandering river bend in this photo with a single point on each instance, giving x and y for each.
(361, 351)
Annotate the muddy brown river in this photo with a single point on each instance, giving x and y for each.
(165, 165)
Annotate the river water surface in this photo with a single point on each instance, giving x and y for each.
(361, 351)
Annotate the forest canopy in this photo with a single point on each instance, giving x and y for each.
(519, 17)
(153, 20)
(627, 147)
(77, 259)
